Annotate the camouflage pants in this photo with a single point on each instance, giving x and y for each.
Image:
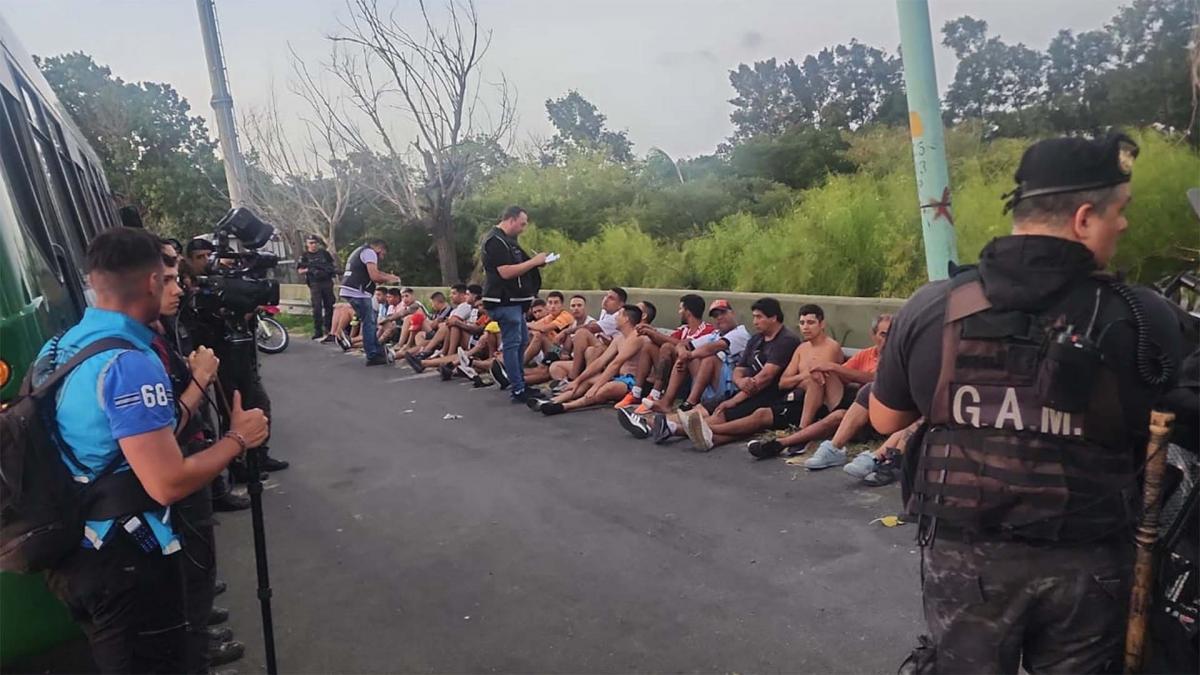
(1060, 609)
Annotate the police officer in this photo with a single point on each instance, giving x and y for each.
(124, 583)
(358, 284)
(512, 282)
(318, 268)
(1035, 374)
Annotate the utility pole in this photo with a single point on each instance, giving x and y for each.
(929, 147)
(222, 103)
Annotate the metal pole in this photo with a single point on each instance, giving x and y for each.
(222, 102)
(929, 149)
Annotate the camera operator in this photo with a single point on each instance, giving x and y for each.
(239, 359)
(190, 378)
(358, 285)
(124, 584)
(318, 267)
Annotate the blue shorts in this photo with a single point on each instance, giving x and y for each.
(628, 380)
(724, 384)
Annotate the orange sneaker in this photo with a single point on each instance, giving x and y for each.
(644, 408)
(628, 402)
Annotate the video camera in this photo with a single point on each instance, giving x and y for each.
(235, 282)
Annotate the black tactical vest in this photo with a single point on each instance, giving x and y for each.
(1026, 438)
(357, 275)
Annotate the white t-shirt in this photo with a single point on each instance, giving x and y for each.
(463, 311)
(737, 339)
(367, 256)
(607, 323)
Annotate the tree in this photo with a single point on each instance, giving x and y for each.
(155, 153)
(580, 126)
(993, 78)
(765, 102)
(305, 187)
(799, 158)
(433, 77)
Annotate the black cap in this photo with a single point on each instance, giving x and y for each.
(1060, 165)
(312, 238)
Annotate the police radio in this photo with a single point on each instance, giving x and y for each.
(1068, 369)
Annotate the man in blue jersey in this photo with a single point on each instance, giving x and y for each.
(116, 420)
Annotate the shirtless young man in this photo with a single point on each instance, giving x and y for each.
(609, 376)
(807, 374)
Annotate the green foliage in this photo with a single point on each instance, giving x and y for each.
(580, 127)
(155, 154)
(799, 158)
(859, 234)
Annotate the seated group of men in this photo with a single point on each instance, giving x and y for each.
(710, 380)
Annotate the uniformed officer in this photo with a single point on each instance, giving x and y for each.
(1035, 374)
(318, 267)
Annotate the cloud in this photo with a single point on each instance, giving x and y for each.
(751, 39)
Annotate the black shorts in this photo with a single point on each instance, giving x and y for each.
(788, 410)
(763, 399)
(863, 397)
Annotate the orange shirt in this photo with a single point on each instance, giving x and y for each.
(553, 324)
(866, 360)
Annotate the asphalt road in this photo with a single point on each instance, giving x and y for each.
(508, 542)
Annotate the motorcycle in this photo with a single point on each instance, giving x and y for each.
(270, 336)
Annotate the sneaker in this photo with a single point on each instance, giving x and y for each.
(344, 342)
(499, 374)
(551, 408)
(446, 371)
(377, 361)
(764, 449)
(272, 464)
(697, 430)
(318, 338)
(645, 408)
(327, 339)
(862, 464)
(827, 455)
(478, 382)
(463, 359)
(628, 402)
(390, 354)
(468, 371)
(414, 363)
(634, 424)
(534, 403)
(660, 430)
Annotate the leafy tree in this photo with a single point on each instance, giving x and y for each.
(580, 128)
(765, 102)
(799, 158)
(993, 77)
(155, 153)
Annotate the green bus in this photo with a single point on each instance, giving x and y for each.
(53, 200)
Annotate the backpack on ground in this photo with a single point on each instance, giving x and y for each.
(42, 507)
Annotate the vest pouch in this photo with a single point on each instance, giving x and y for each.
(1067, 374)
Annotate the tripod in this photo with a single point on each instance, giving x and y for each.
(254, 489)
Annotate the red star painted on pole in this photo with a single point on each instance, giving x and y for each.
(942, 209)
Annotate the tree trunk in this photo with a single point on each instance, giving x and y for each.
(444, 240)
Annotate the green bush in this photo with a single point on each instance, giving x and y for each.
(860, 233)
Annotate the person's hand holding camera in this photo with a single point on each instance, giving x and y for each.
(203, 363)
(251, 424)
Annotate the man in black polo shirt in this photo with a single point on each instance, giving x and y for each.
(513, 281)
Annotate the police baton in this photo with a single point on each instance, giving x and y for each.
(1145, 538)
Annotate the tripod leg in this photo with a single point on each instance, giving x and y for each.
(254, 488)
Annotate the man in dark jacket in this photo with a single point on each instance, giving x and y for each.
(1035, 375)
(318, 267)
(512, 282)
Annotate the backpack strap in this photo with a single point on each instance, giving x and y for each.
(60, 372)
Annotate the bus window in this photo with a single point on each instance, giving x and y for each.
(19, 174)
(80, 183)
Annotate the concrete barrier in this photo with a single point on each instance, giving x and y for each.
(848, 319)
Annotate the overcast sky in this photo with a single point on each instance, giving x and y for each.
(656, 68)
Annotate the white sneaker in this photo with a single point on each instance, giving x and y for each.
(862, 464)
(827, 455)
